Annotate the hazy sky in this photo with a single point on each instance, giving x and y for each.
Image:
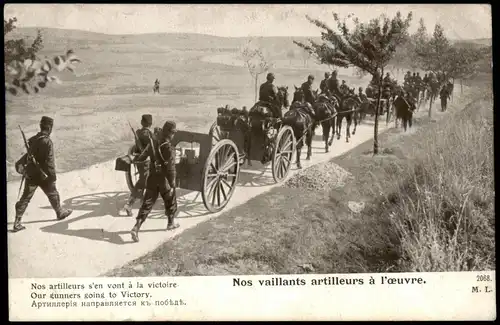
(459, 20)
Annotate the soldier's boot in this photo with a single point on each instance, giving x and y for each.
(171, 221)
(17, 225)
(134, 233)
(127, 208)
(55, 202)
(64, 213)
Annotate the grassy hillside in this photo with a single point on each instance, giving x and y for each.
(425, 204)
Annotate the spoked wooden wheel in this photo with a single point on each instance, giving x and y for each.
(283, 153)
(133, 173)
(220, 175)
(215, 133)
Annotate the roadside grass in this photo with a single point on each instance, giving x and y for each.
(442, 206)
(428, 206)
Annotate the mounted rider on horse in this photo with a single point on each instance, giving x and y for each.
(269, 104)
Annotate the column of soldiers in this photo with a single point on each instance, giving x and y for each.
(415, 81)
(156, 158)
(329, 86)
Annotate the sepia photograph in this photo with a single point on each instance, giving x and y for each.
(155, 140)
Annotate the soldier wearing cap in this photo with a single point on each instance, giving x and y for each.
(323, 86)
(362, 97)
(333, 85)
(344, 88)
(143, 136)
(407, 77)
(307, 90)
(42, 150)
(267, 91)
(161, 180)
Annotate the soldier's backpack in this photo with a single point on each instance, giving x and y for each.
(20, 165)
(24, 166)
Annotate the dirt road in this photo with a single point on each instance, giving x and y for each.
(94, 239)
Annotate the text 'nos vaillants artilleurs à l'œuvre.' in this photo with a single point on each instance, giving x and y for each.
(329, 281)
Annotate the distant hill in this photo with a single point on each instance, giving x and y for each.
(61, 39)
(58, 40)
(473, 43)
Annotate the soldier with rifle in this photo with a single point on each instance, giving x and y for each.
(38, 169)
(141, 142)
(161, 180)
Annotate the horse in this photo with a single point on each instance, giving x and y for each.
(301, 118)
(260, 118)
(404, 111)
(372, 93)
(348, 109)
(325, 109)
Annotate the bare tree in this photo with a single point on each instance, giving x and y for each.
(369, 47)
(256, 62)
(306, 55)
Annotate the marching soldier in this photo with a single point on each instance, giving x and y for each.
(323, 86)
(444, 94)
(414, 79)
(42, 150)
(425, 80)
(307, 90)
(407, 79)
(143, 136)
(161, 180)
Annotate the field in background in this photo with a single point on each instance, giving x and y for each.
(114, 84)
(426, 203)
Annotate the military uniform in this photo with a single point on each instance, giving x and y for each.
(268, 92)
(344, 89)
(407, 79)
(333, 86)
(142, 164)
(161, 180)
(425, 80)
(323, 86)
(387, 80)
(362, 97)
(308, 94)
(42, 149)
(444, 94)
